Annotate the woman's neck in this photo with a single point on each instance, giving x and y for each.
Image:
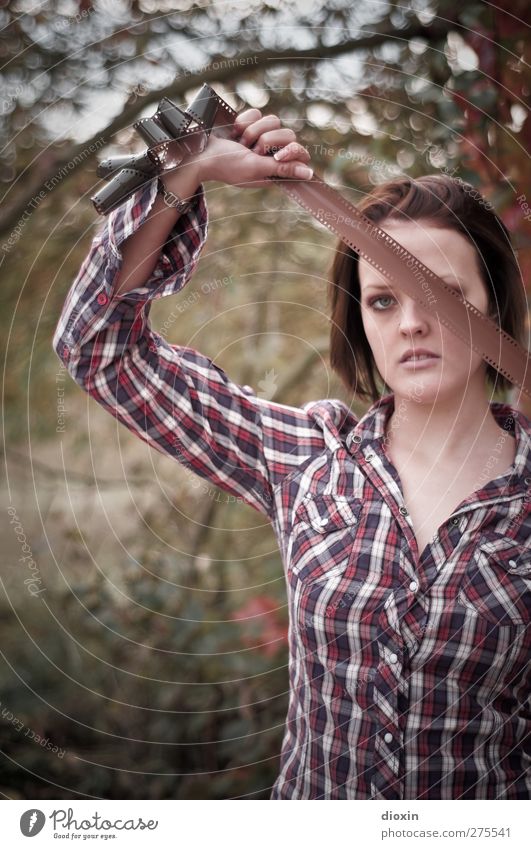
(451, 429)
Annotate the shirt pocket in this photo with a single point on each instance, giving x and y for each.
(496, 583)
(323, 531)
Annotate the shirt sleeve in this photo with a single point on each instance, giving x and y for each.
(173, 397)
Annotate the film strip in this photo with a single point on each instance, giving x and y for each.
(172, 133)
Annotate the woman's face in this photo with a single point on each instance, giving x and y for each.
(394, 322)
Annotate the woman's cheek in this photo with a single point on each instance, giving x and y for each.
(375, 333)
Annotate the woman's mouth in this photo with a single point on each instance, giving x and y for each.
(416, 361)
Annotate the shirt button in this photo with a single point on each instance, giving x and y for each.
(527, 481)
(102, 298)
(413, 586)
(356, 438)
(393, 658)
(513, 564)
(369, 457)
(455, 520)
(388, 737)
(403, 510)
(323, 521)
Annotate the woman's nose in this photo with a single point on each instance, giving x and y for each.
(412, 317)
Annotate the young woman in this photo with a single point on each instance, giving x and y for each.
(404, 534)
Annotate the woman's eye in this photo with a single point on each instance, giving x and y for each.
(379, 300)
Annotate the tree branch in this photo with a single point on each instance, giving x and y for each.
(231, 70)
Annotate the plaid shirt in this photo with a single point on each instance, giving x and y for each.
(409, 672)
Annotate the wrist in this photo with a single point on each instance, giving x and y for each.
(171, 199)
(197, 163)
(185, 179)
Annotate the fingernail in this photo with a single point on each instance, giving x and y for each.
(303, 171)
(280, 154)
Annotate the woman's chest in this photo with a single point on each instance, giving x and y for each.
(359, 599)
(433, 492)
(431, 504)
(354, 581)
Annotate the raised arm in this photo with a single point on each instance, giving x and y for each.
(173, 397)
(227, 161)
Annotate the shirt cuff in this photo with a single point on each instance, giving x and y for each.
(179, 254)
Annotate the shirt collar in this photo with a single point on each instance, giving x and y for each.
(372, 427)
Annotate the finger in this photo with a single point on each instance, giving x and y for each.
(299, 170)
(273, 140)
(255, 129)
(267, 166)
(243, 119)
(293, 150)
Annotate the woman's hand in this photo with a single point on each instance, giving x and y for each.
(245, 161)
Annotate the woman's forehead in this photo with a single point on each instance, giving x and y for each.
(444, 251)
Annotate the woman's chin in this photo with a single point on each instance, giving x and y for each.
(430, 387)
(424, 387)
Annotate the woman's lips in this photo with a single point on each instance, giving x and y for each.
(424, 362)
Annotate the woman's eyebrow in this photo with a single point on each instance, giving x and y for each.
(382, 285)
(389, 286)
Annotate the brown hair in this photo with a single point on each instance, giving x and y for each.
(442, 201)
